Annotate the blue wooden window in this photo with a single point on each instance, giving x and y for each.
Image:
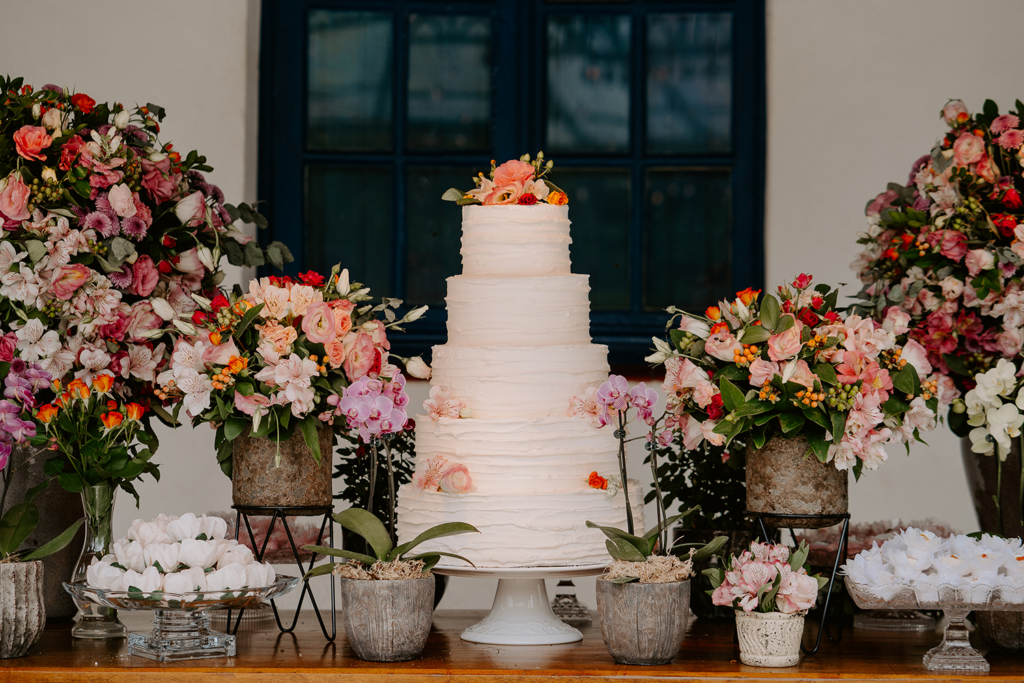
(653, 111)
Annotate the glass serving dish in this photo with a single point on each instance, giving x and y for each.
(181, 622)
(957, 601)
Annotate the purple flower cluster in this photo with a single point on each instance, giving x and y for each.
(615, 396)
(374, 406)
(20, 388)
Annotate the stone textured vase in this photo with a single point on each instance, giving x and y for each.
(643, 623)
(387, 621)
(257, 480)
(769, 638)
(1001, 630)
(22, 608)
(784, 477)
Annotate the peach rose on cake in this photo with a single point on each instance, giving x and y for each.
(513, 171)
(456, 479)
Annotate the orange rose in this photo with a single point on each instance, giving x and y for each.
(718, 327)
(236, 364)
(748, 295)
(30, 141)
(62, 400)
(335, 350)
(135, 411)
(557, 198)
(215, 338)
(57, 386)
(597, 481)
(79, 389)
(112, 420)
(111, 405)
(713, 313)
(103, 383)
(46, 413)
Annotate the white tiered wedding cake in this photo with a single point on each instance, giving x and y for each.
(518, 350)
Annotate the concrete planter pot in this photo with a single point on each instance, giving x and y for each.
(784, 477)
(643, 623)
(257, 481)
(769, 638)
(22, 607)
(387, 621)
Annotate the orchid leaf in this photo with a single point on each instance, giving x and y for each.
(657, 529)
(621, 549)
(439, 531)
(618, 534)
(318, 571)
(364, 523)
(17, 525)
(56, 545)
(436, 556)
(624, 579)
(338, 552)
(712, 548)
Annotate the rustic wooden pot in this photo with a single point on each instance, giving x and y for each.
(22, 607)
(643, 623)
(769, 638)
(257, 481)
(1001, 630)
(784, 477)
(387, 621)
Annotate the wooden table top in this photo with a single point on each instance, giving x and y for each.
(707, 654)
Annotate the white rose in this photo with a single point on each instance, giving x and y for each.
(417, 368)
(37, 110)
(236, 555)
(166, 554)
(179, 582)
(121, 119)
(214, 527)
(192, 209)
(49, 174)
(103, 576)
(229, 578)
(342, 285)
(51, 119)
(121, 200)
(201, 554)
(186, 526)
(259, 575)
(130, 555)
(163, 309)
(149, 534)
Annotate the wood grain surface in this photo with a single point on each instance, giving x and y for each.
(707, 654)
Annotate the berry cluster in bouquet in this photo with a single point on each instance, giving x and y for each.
(107, 233)
(947, 248)
(795, 366)
(280, 356)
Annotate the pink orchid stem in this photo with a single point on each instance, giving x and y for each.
(391, 489)
(373, 473)
(659, 509)
(622, 469)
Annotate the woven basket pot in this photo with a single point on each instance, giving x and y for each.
(22, 609)
(257, 481)
(785, 478)
(387, 621)
(643, 623)
(769, 638)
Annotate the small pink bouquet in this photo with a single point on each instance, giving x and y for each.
(519, 182)
(766, 578)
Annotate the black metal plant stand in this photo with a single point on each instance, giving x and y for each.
(283, 513)
(844, 539)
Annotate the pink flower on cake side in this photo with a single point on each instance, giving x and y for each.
(429, 478)
(441, 404)
(456, 479)
(585, 406)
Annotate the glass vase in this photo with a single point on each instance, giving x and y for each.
(96, 622)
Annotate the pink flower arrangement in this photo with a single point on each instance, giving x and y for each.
(519, 181)
(766, 578)
(440, 475)
(442, 405)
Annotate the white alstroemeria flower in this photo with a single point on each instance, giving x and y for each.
(35, 341)
(163, 309)
(141, 362)
(197, 388)
(999, 381)
(188, 357)
(662, 351)
(1004, 425)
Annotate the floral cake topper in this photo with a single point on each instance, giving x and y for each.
(518, 181)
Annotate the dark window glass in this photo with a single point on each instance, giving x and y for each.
(449, 82)
(434, 232)
(689, 83)
(349, 101)
(599, 201)
(688, 237)
(348, 220)
(588, 83)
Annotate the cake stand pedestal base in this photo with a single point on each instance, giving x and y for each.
(179, 635)
(955, 653)
(521, 613)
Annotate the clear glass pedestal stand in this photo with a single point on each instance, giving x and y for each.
(179, 635)
(894, 620)
(955, 652)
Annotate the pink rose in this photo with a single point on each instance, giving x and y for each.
(787, 344)
(144, 276)
(504, 194)
(704, 392)
(141, 210)
(191, 210)
(952, 111)
(721, 345)
(116, 329)
(378, 334)
(142, 321)
(8, 344)
(360, 355)
(335, 350)
(797, 592)
(30, 141)
(947, 389)
(188, 262)
(916, 355)
(802, 375)
(158, 181)
(692, 434)
(978, 260)
(68, 280)
(954, 245)
(342, 309)
(1009, 342)
(121, 200)
(985, 169)
(762, 371)
(513, 171)
(14, 200)
(968, 149)
(456, 479)
(896, 321)
(880, 203)
(318, 323)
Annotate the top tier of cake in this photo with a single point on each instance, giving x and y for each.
(515, 241)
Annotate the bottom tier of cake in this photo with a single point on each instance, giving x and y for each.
(519, 530)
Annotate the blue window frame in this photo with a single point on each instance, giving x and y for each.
(652, 110)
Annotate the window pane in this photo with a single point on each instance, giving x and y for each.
(350, 74)
(348, 221)
(588, 84)
(434, 229)
(449, 82)
(689, 83)
(599, 211)
(688, 238)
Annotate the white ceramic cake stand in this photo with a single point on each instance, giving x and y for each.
(521, 613)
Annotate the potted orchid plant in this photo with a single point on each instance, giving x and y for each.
(771, 591)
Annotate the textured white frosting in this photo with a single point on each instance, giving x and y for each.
(551, 310)
(515, 241)
(519, 381)
(536, 529)
(513, 455)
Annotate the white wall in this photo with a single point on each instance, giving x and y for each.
(854, 92)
